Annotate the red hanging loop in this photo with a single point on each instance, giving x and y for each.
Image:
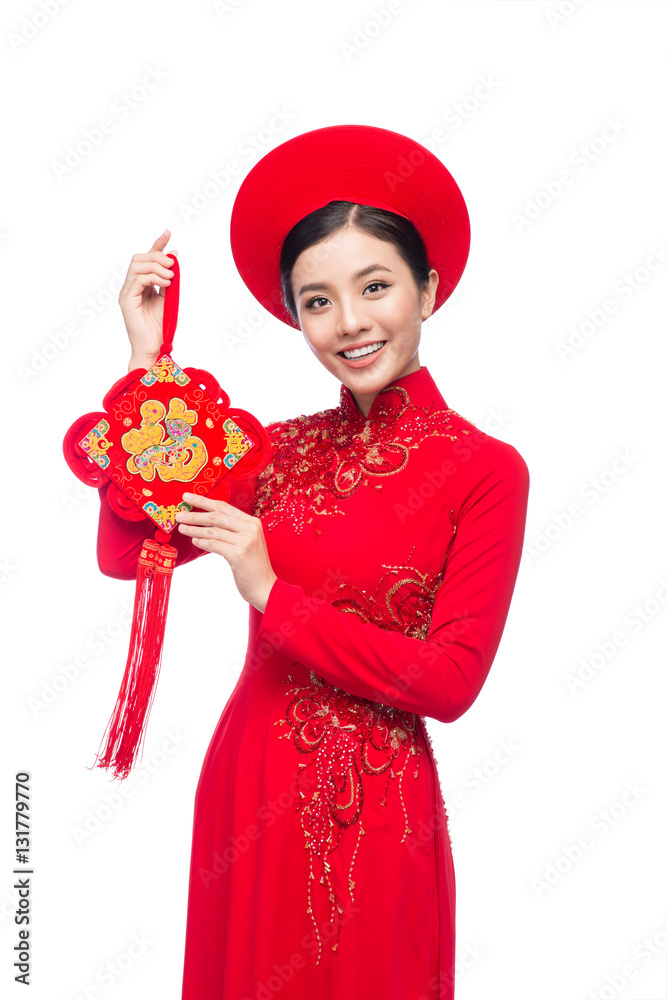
(170, 315)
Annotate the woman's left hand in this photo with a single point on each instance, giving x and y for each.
(238, 537)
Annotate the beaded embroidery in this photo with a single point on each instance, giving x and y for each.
(405, 605)
(328, 455)
(348, 737)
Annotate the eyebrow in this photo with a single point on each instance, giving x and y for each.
(317, 285)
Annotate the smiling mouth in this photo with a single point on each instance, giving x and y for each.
(362, 352)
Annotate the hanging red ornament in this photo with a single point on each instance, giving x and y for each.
(163, 431)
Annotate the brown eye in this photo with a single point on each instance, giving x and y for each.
(318, 298)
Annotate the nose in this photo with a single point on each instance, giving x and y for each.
(352, 318)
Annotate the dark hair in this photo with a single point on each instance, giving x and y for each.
(378, 222)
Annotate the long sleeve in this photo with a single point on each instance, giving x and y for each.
(442, 675)
(119, 541)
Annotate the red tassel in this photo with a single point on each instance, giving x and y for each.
(127, 724)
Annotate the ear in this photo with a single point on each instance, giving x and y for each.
(428, 293)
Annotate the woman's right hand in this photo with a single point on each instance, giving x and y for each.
(142, 305)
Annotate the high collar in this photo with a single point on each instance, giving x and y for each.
(417, 389)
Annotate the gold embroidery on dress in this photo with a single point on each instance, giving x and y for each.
(405, 606)
(348, 737)
(326, 456)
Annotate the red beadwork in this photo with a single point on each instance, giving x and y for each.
(348, 737)
(345, 737)
(402, 600)
(331, 453)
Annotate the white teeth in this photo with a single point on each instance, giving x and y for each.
(362, 351)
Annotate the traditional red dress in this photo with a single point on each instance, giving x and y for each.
(321, 862)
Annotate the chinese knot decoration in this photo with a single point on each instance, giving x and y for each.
(163, 430)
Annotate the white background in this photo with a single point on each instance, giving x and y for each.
(509, 95)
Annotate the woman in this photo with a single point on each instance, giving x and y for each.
(378, 553)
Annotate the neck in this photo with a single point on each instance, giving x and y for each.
(364, 400)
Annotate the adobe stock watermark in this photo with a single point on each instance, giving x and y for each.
(219, 179)
(366, 32)
(86, 311)
(634, 621)
(122, 107)
(8, 569)
(78, 497)
(579, 161)
(467, 957)
(597, 316)
(245, 328)
(600, 824)
(8, 908)
(591, 491)
(396, 685)
(645, 952)
(474, 781)
(96, 817)
(32, 24)
(311, 943)
(114, 969)
(423, 831)
(268, 813)
(222, 7)
(301, 611)
(459, 114)
(434, 480)
(97, 642)
(477, 778)
(562, 12)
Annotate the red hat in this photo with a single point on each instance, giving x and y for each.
(358, 163)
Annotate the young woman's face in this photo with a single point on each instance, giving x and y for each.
(353, 290)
